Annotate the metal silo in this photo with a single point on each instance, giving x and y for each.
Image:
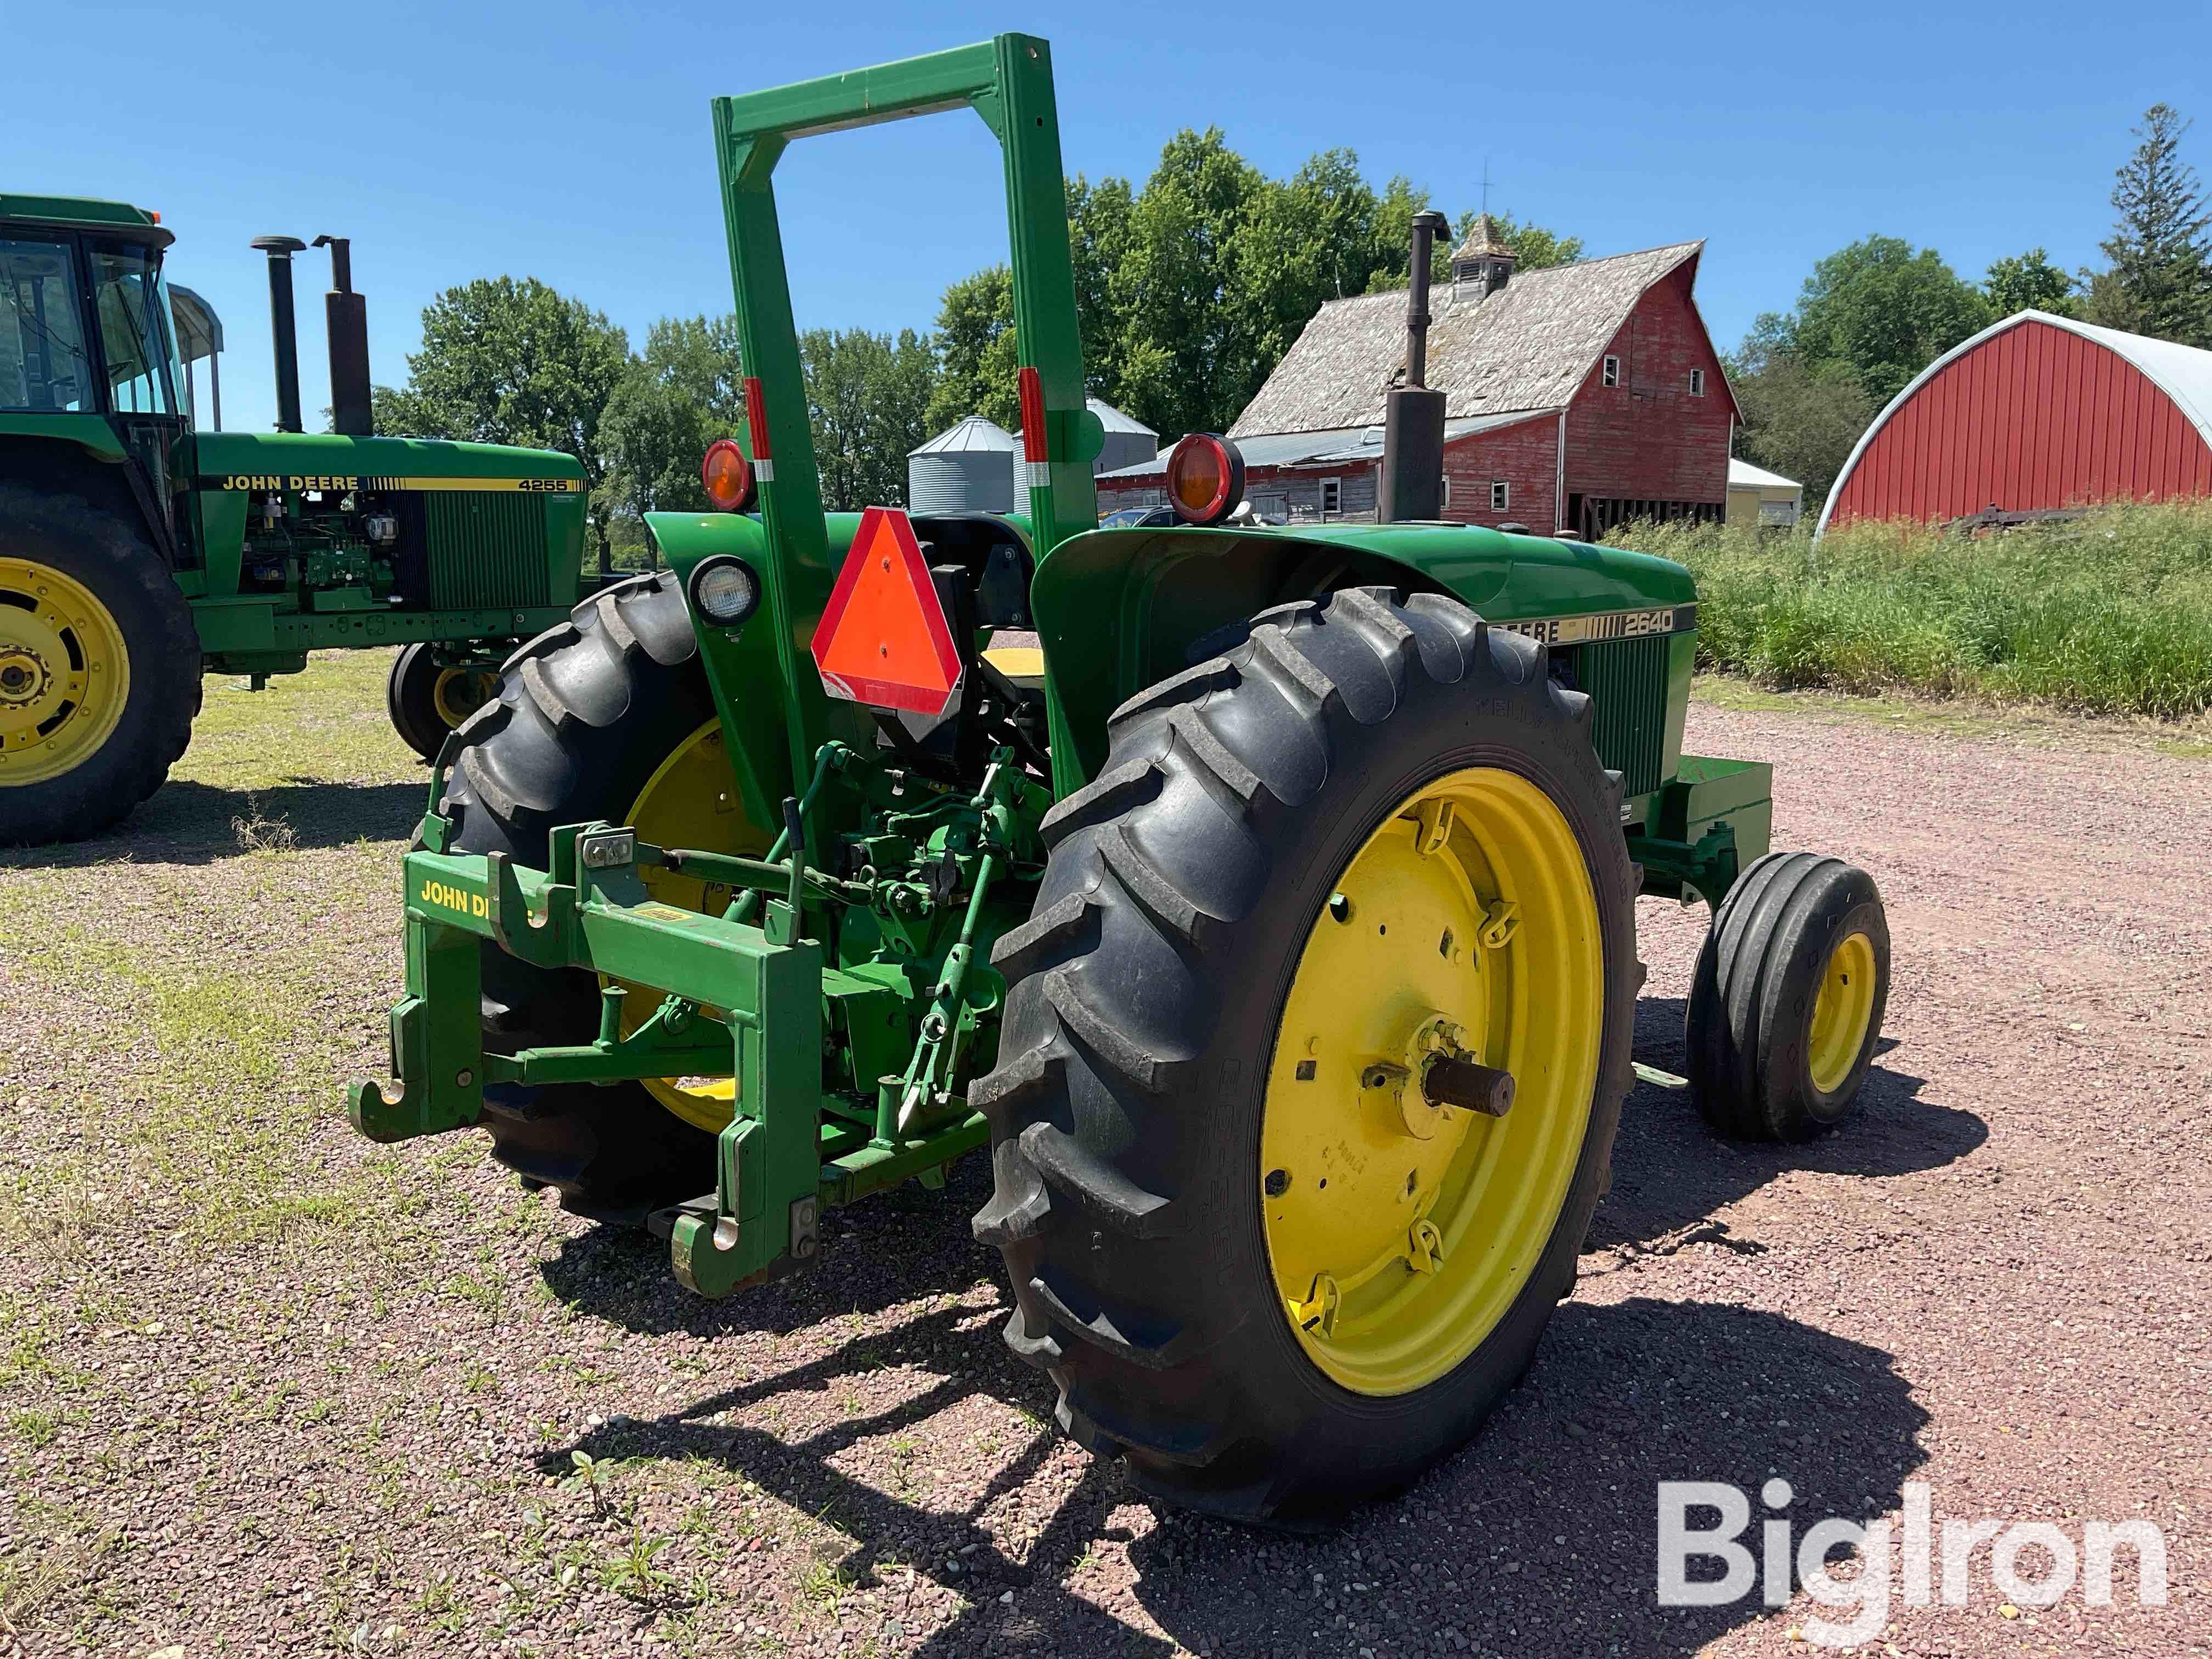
(967, 468)
(1129, 442)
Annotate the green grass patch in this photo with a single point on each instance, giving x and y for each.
(2110, 614)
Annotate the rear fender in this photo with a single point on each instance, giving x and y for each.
(1118, 610)
(70, 454)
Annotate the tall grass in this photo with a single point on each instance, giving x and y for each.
(2110, 614)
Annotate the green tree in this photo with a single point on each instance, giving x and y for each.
(506, 361)
(1186, 350)
(1188, 292)
(1394, 224)
(1880, 307)
(868, 401)
(2028, 281)
(2160, 281)
(1305, 241)
(1799, 419)
(975, 358)
(1097, 240)
(686, 391)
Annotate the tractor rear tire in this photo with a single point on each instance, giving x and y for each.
(428, 699)
(1787, 1001)
(86, 601)
(1134, 1107)
(586, 713)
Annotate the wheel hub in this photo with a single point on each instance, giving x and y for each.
(64, 674)
(1460, 958)
(24, 676)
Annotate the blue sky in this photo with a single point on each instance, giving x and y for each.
(569, 141)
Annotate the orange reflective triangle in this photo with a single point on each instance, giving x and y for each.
(883, 639)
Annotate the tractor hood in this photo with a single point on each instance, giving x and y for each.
(309, 460)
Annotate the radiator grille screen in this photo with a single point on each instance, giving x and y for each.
(487, 548)
(1627, 680)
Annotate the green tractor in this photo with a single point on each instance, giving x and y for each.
(1262, 899)
(138, 551)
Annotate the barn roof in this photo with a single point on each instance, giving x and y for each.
(1528, 346)
(1349, 443)
(1742, 475)
(2182, 373)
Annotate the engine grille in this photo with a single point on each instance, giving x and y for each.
(1627, 680)
(486, 548)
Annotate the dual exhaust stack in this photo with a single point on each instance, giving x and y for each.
(346, 320)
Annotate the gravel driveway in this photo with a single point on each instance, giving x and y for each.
(270, 1390)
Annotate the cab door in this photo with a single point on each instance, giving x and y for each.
(139, 370)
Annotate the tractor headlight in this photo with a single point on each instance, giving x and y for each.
(725, 590)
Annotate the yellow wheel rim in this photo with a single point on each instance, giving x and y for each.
(458, 692)
(1400, 1233)
(691, 801)
(1842, 1011)
(64, 673)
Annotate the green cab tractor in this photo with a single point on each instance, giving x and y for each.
(139, 551)
(1261, 899)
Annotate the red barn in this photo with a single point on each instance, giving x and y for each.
(1575, 397)
(2037, 414)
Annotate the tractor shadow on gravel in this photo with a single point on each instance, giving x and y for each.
(188, 822)
(1537, 1538)
(1670, 1173)
(1622, 1395)
(901, 1245)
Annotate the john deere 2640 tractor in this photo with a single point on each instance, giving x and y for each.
(1270, 918)
(138, 550)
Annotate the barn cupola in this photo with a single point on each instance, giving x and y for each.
(1482, 264)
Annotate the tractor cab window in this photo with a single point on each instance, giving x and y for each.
(44, 366)
(134, 329)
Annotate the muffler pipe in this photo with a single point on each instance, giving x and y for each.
(345, 315)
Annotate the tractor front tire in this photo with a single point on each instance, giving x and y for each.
(1787, 1001)
(586, 713)
(1371, 831)
(99, 668)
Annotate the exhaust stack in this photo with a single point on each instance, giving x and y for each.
(284, 327)
(346, 317)
(1413, 416)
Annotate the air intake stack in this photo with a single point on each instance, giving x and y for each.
(284, 327)
(346, 316)
(1413, 484)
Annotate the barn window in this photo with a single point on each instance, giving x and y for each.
(1612, 371)
(1332, 497)
(1501, 495)
(1445, 499)
(1697, 383)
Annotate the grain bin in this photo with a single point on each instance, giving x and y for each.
(966, 469)
(1128, 442)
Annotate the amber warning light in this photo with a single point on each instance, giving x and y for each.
(728, 477)
(884, 639)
